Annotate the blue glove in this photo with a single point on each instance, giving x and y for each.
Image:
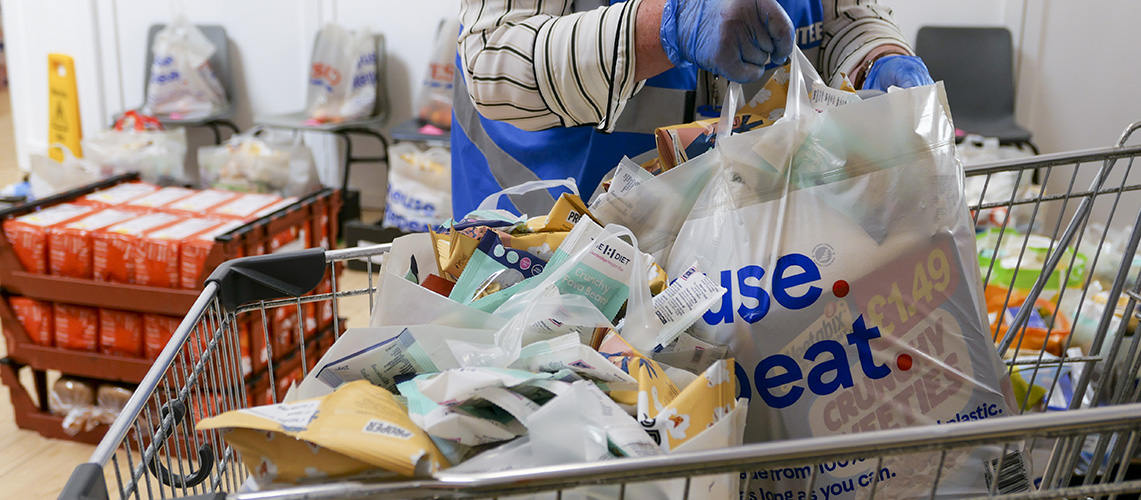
(730, 38)
(901, 71)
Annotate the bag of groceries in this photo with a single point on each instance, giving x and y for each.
(182, 82)
(419, 187)
(853, 300)
(342, 75)
(138, 143)
(259, 161)
(434, 104)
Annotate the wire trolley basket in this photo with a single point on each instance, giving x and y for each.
(1057, 239)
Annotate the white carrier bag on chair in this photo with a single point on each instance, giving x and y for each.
(342, 76)
(853, 301)
(181, 80)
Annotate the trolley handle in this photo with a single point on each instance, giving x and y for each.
(273, 276)
(176, 410)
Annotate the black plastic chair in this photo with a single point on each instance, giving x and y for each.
(220, 64)
(976, 66)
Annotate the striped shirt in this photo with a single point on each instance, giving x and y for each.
(536, 64)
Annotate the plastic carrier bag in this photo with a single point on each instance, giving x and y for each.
(435, 100)
(259, 161)
(138, 143)
(854, 301)
(419, 187)
(342, 77)
(47, 176)
(182, 82)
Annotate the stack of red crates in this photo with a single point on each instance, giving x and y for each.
(97, 280)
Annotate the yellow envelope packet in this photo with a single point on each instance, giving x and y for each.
(568, 210)
(453, 251)
(357, 428)
(700, 405)
(655, 389)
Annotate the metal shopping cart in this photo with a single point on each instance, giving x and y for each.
(1051, 253)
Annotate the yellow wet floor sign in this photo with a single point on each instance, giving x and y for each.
(63, 106)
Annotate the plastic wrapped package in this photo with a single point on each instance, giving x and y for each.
(155, 255)
(195, 250)
(28, 234)
(200, 202)
(68, 394)
(110, 399)
(244, 207)
(70, 244)
(259, 162)
(159, 199)
(434, 103)
(76, 327)
(157, 155)
(157, 331)
(113, 247)
(120, 333)
(36, 317)
(117, 195)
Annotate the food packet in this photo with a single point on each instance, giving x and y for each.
(382, 355)
(697, 407)
(567, 211)
(69, 245)
(117, 195)
(157, 331)
(110, 400)
(453, 251)
(690, 353)
(28, 234)
(244, 207)
(36, 317)
(356, 428)
(113, 246)
(69, 393)
(492, 268)
(200, 203)
(158, 200)
(627, 176)
(477, 406)
(156, 254)
(76, 327)
(569, 353)
(120, 333)
(542, 245)
(193, 251)
(677, 308)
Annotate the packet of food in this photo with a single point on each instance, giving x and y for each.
(201, 202)
(678, 144)
(120, 333)
(157, 200)
(28, 234)
(35, 316)
(245, 206)
(569, 353)
(567, 211)
(584, 234)
(626, 176)
(76, 327)
(194, 251)
(492, 268)
(689, 353)
(113, 247)
(157, 331)
(697, 407)
(117, 195)
(677, 308)
(453, 250)
(382, 355)
(356, 428)
(69, 245)
(156, 253)
(542, 245)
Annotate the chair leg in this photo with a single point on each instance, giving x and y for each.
(213, 126)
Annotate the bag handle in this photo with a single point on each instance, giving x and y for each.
(492, 201)
(141, 122)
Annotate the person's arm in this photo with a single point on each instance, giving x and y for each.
(537, 66)
(856, 34)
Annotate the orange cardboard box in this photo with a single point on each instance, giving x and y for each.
(76, 327)
(69, 244)
(157, 331)
(112, 246)
(244, 207)
(36, 316)
(117, 195)
(155, 255)
(194, 250)
(200, 203)
(28, 234)
(120, 333)
(160, 199)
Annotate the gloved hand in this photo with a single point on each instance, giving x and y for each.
(901, 71)
(731, 38)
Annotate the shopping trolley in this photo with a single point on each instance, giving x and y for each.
(1041, 252)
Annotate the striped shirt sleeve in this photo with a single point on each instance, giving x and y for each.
(852, 29)
(536, 65)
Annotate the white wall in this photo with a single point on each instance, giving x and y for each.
(270, 45)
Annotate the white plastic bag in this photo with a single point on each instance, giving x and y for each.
(259, 161)
(853, 299)
(182, 82)
(342, 78)
(47, 176)
(434, 103)
(137, 143)
(419, 187)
